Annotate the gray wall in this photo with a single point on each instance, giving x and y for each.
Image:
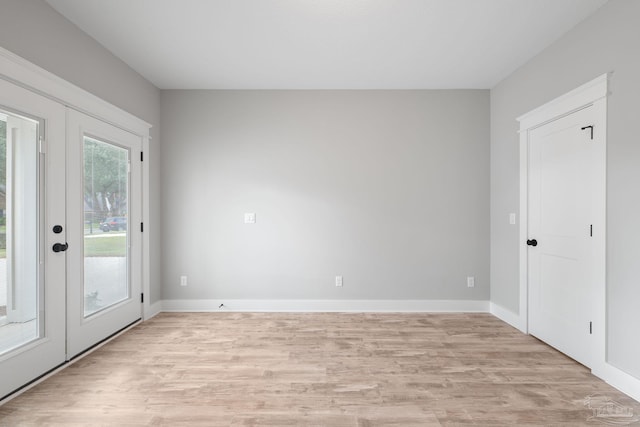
(388, 188)
(36, 32)
(607, 41)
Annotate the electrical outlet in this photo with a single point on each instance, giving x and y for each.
(250, 218)
(339, 281)
(183, 280)
(471, 282)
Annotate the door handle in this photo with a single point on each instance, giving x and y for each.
(59, 247)
(533, 242)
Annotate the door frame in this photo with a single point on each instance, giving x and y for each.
(21, 72)
(594, 94)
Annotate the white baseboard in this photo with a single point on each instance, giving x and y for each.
(508, 316)
(327, 305)
(619, 379)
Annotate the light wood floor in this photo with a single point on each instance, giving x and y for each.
(232, 369)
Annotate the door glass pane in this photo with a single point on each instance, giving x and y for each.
(106, 195)
(19, 229)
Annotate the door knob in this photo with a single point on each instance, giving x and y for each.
(533, 242)
(59, 247)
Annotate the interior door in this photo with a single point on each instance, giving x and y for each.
(32, 275)
(562, 158)
(104, 208)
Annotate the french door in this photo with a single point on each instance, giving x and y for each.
(70, 238)
(32, 203)
(104, 210)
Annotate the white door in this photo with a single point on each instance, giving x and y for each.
(32, 221)
(104, 210)
(563, 165)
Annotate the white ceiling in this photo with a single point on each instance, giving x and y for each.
(325, 44)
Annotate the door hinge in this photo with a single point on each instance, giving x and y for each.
(141, 298)
(590, 328)
(41, 145)
(142, 227)
(591, 230)
(141, 156)
(588, 127)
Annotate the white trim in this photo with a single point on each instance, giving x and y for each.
(147, 313)
(154, 310)
(21, 72)
(599, 209)
(523, 309)
(245, 305)
(507, 316)
(578, 98)
(619, 379)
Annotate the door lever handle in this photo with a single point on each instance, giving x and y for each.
(59, 247)
(533, 242)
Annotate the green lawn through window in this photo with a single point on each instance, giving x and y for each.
(105, 246)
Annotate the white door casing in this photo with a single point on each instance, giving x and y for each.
(26, 74)
(588, 99)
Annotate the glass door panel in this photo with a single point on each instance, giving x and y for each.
(32, 202)
(106, 198)
(20, 281)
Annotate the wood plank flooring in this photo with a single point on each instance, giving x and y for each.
(328, 369)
